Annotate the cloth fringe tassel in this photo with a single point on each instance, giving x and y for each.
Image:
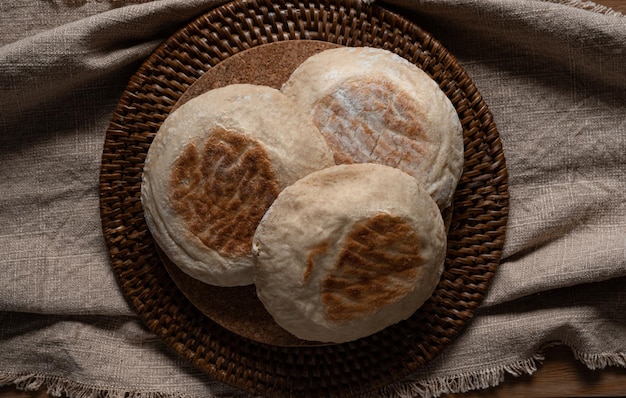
(601, 361)
(59, 387)
(437, 386)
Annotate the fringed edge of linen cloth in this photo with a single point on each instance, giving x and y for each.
(492, 377)
(477, 380)
(57, 386)
(601, 361)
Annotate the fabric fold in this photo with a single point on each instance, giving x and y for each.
(63, 58)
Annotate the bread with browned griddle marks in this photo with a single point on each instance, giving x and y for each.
(348, 251)
(215, 166)
(373, 106)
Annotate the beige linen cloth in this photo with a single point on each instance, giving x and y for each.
(552, 73)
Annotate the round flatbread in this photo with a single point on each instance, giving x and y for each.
(373, 106)
(347, 251)
(215, 166)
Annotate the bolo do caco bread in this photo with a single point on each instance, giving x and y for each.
(336, 252)
(215, 166)
(347, 251)
(373, 106)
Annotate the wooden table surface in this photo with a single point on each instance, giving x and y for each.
(561, 375)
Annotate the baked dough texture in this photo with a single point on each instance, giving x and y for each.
(373, 106)
(215, 166)
(347, 251)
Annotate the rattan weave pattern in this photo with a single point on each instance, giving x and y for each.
(475, 239)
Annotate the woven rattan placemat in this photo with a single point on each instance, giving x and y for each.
(475, 238)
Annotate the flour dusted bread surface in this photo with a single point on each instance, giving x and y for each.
(215, 166)
(373, 106)
(347, 251)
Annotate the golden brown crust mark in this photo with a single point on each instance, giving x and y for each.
(310, 259)
(378, 264)
(371, 121)
(223, 191)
